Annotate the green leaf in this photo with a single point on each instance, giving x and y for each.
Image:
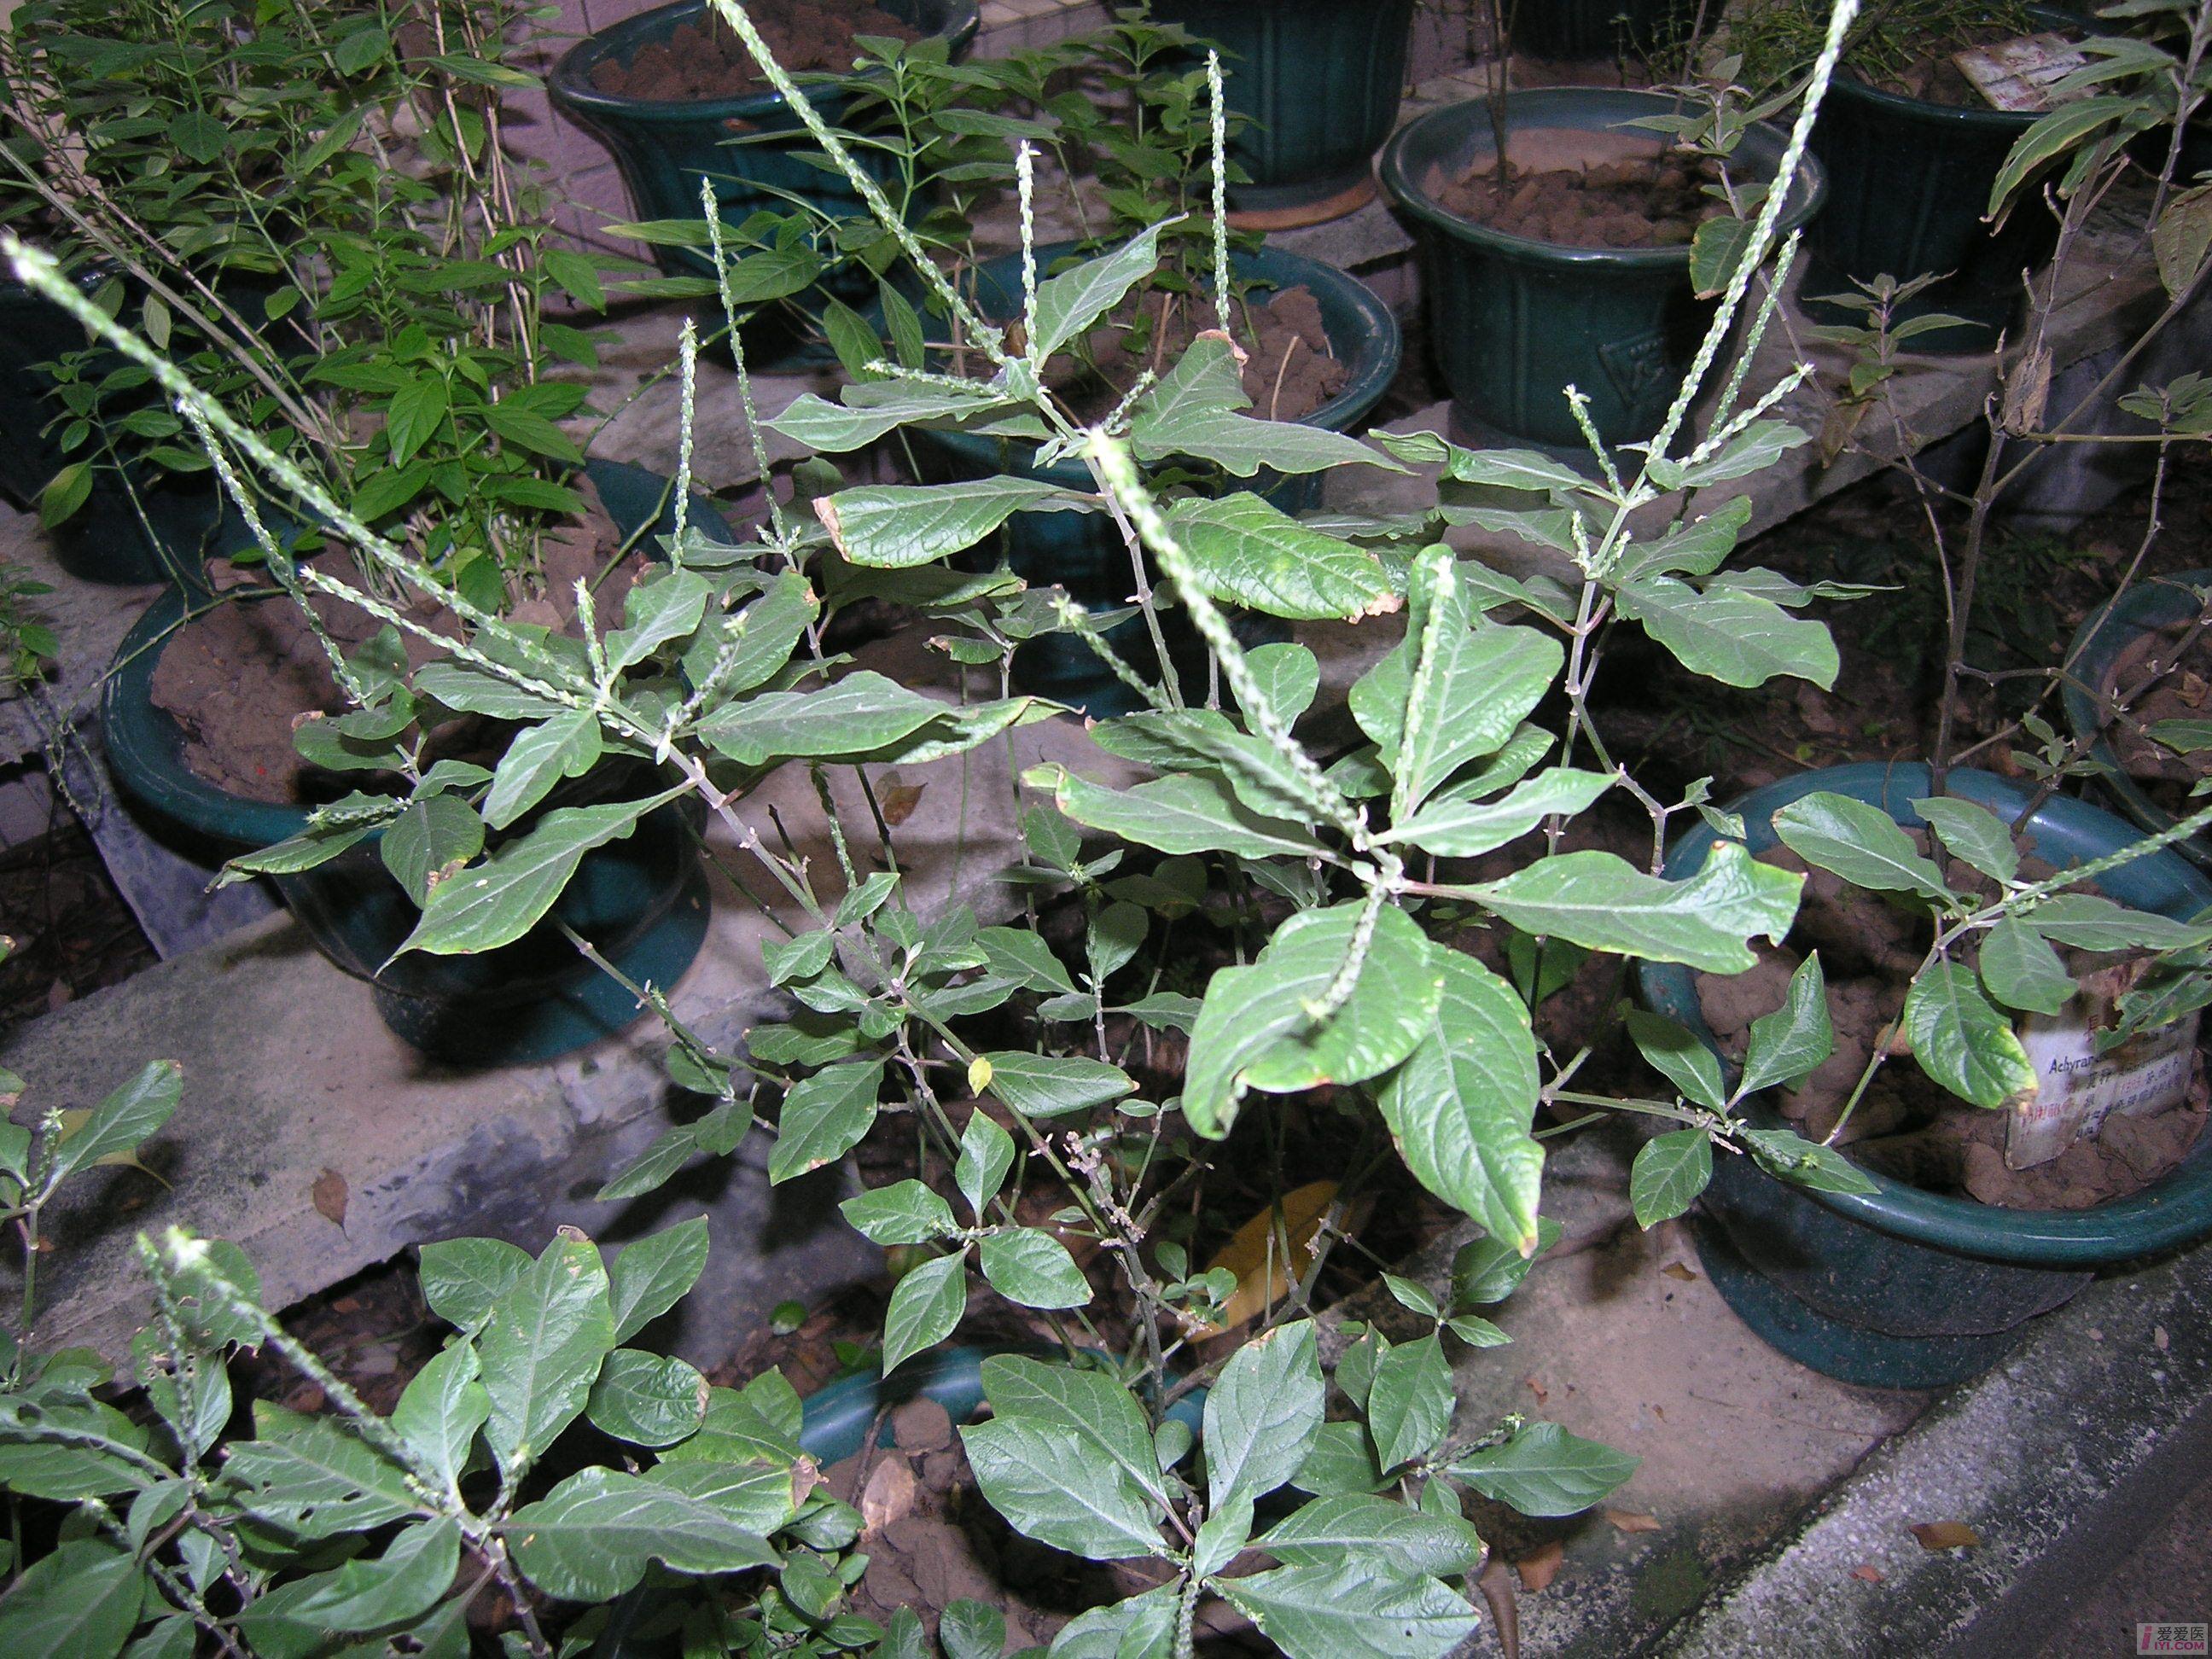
(1604, 903)
(824, 1117)
(2020, 969)
(1858, 841)
(1487, 1270)
(1755, 449)
(653, 1273)
(1971, 833)
(1504, 468)
(429, 841)
(1203, 740)
(1669, 1172)
(497, 902)
(1262, 1414)
(1029, 1266)
(591, 1537)
(1035, 1472)
(1186, 813)
(1716, 251)
(1679, 1056)
(1140, 1627)
(315, 1478)
(858, 715)
(1342, 1462)
(668, 606)
(1052, 1085)
(1254, 1030)
(1794, 1040)
(893, 527)
(736, 652)
(1165, 425)
(541, 1348)
(1246, 552)
(198, 137)
(987, 1152)
(1289, 677)
(2181, 239)
(2065, 128)
(123, 1122)
(833, 428)
(462, 1278)
(441, 1409)
(1409, 1404)
(1015, 954)
(1360, 1526)
(1352, 1611)
(1545, 1471)
(1696, 547)
(904, 1213)
(969, 1630)
(1735, 638)
(414, 1572)
(531, 432)
(1466, 829)
(925, 1306)
(646, 1399)
(411, 419)
(1461, 1106)
(1070, 302)
(1089, 1404)
(81, 1600)
(1961, 1040)
(1806, 1163)
(2088, 922)
(64, 493)
(471, 690)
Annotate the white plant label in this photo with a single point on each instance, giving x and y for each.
(2022, 74)
(2076, 1087)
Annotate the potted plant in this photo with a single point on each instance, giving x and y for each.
(1902, 1283)
(1314, 87)
(1582, 261)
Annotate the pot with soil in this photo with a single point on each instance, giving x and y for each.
(1583, 30)
(1910, 161)
(1322, 350)
(674, 97)
(2148, 635)
(1317, 82)
(198, 729)
(1578, 274)
(1925, 1280)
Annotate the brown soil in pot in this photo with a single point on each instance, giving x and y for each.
(705, 60)
(1581, 189)
(1289, 370)
(239, 677)
(1907, 1126)
(2180, 656)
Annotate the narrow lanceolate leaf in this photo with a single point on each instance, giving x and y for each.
(1961, 1040)
(1466, 829)
(857, 715)
(1246, 552)
(1254, 1030)
(925, 1307)
(1669, 1172)
(833, 428)
(1858, 841)
(497, 902)
(1971, 833)
(124, 1120)
(2089, 922)
(1070, 302)
(1681, 1056)
(1544, 1471)
(1244, 446)
(1203, 740)
(1409, 1403)
(2020, 970)
(892, 527)
(1461, 1106)
(1605, 903)
(593, 1536)
(1505, 469)
(1795, 1039)
(1806, 1163)
(1263, 1414)
(1352, 1611)
(824, 1117)
(413, 1573)
(542, 1348)
(1329, 1529)
(1186, 813)
(1735, 638)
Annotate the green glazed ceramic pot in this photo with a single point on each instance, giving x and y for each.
(641, 902)
(1899, 1287)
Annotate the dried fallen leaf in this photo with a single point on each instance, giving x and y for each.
(1869, 1572)
(2159, 1338)
(1687, 1274)
(889, 1493)
(1540, 1566)
(1631, 1521)
(1496, 1583)
(899, 800)
(1945, 1535)
(1270, 1252)
(329, 1196)
(1537, 1387)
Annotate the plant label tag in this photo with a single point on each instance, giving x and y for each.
(2076, 1087)
(2023, 73)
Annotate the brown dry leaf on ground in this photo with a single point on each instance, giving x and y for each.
(329, 1192)
(1680, 1270)
(1869, 1572)
(1631, 1521)
(1496, 1583)
(1541, 1566)
(1945, 1535)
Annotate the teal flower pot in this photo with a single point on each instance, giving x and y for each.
(665, 148)
(1903, 1288)
(1516, 321)
(1908, 183)
(1083, 552)
(2158, 604)
(1318, 82)
(641, 902)
(1588, 29)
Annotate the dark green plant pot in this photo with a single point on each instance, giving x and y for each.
(1318, 81)
(1903, 1288)
(665, 148)
(2109, 630)
(1082, 551)
(1516, 321)
(1588, 29)
(641, 902)
(1908, 183)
